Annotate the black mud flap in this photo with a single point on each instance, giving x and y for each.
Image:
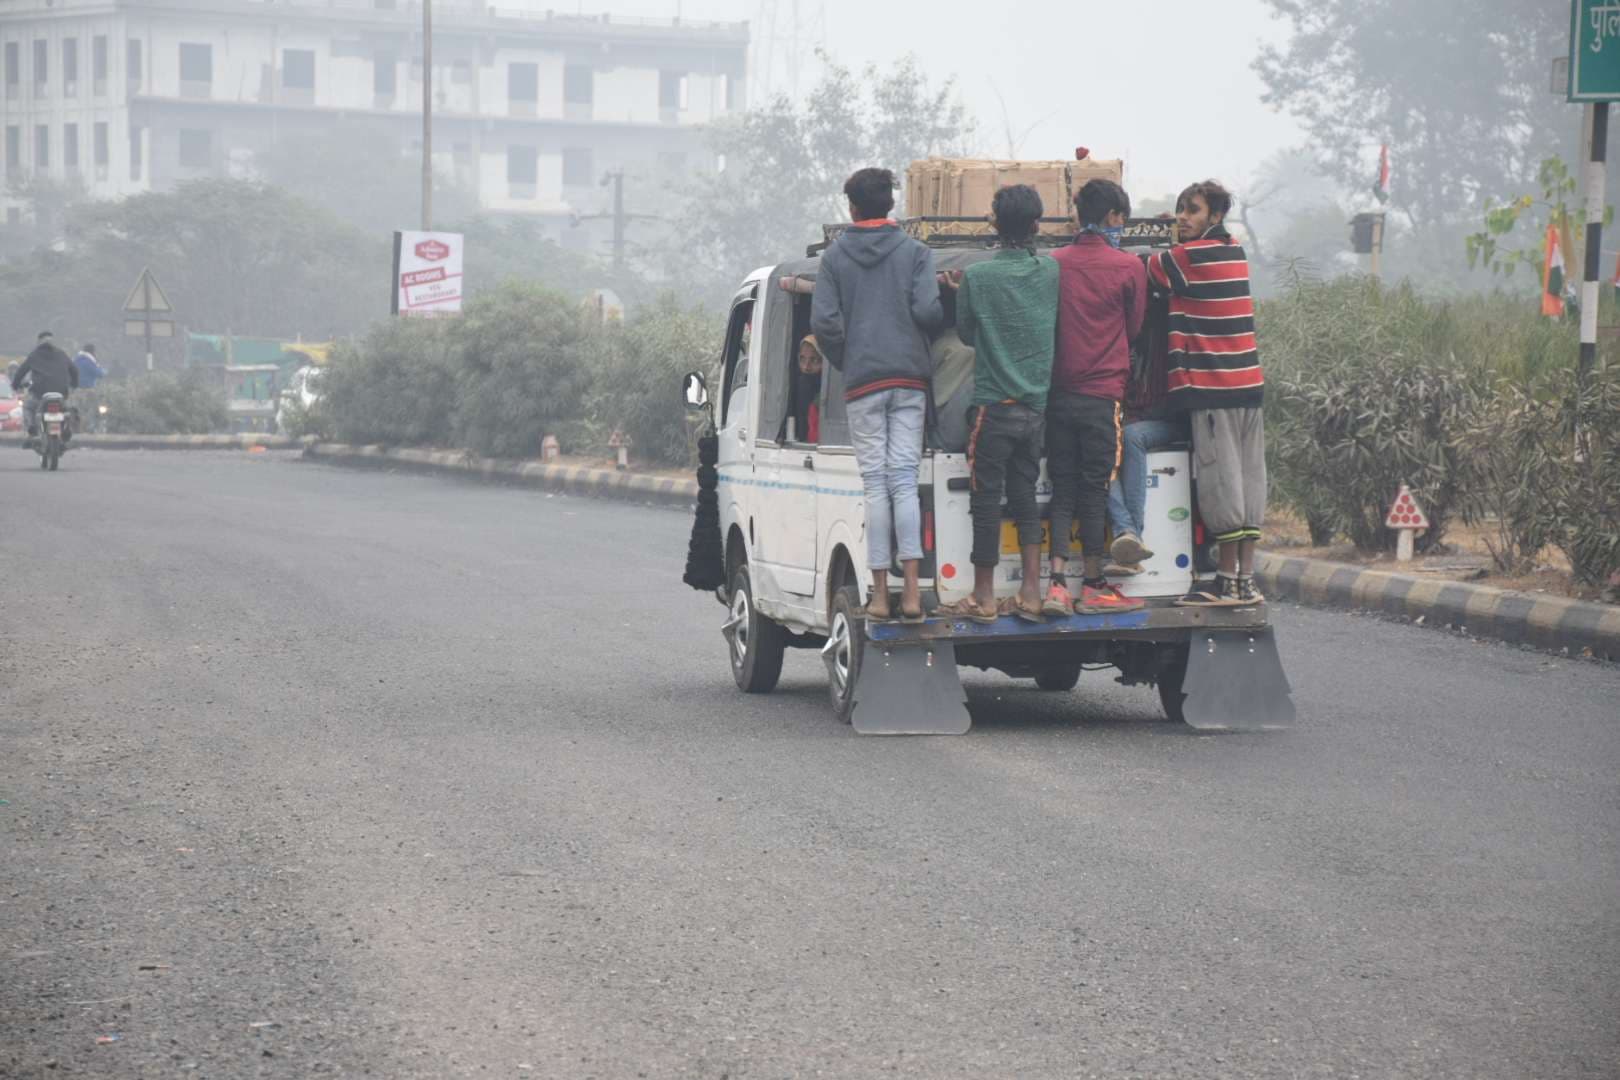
(1235, 682)
(909, 690)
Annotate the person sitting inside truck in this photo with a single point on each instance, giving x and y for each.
(1103, 298)
(807, 391)
(1007, 311)
(875, 305)
(1215, 378)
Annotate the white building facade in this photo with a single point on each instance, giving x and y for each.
(530, 109)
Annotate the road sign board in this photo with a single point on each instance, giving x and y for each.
(1405, 513)
(137, 327)
(147, 296)
(1594, 50)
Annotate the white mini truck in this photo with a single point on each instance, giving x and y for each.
(792, 525)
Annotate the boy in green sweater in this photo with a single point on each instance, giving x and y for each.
(1006, 309)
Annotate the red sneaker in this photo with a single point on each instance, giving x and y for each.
(1105, 599)
(1058, 601)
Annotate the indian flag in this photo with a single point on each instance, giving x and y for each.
(1552, 279)
(1381, 185)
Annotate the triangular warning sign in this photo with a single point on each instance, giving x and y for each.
(1405, 513)
(147, 295)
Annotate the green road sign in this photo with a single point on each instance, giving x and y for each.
(1594, 50)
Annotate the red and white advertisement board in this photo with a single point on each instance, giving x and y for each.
(427, 273)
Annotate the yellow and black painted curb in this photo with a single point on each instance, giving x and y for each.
(1546, 622)
(173, 442)
(570, 479)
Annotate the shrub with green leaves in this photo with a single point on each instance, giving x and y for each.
(1365, 391)
(189, 402)
(396, 385)
(638, 378)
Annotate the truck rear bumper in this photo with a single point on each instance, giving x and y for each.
(1160, 620)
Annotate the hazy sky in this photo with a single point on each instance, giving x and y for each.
(1192, 114)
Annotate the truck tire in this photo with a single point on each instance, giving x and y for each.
(757, 644)
(1172, 671)
(846, 641)
(1064, 676)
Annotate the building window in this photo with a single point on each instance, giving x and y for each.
(196, 70)
(384, 76)
(13, 215)
(522, 171)
(196, 148)
(70, 67)
(298, 69)
(70, 148)
(98, 65)
(132, 65)
(137, 155)
(577, 171)
(101, 149)
(13, 71)
(671, 94)
(42, 148)
(579, 91)
(523, 88)
(13, 151)
(42, 68)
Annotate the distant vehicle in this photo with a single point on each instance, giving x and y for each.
(11, 410)
(302, 390)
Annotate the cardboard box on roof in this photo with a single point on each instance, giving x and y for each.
(964, 187)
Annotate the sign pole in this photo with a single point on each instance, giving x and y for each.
(427, 115)
(1596, 177)
(1377, 243)
(146, 316)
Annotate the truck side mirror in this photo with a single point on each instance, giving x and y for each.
(696, 391)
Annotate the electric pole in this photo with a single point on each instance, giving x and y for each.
(427, 115)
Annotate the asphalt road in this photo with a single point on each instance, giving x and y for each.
(307, 771)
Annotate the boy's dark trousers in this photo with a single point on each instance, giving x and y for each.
(1004, 457)
(1083, 441)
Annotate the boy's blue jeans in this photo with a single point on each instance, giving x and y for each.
(1127, 495)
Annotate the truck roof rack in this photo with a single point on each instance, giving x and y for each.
(975, 232)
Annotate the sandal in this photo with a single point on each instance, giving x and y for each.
(913, 618)
(967, 608)
(1014, 605)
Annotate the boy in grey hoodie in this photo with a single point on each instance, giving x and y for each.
(875, 306)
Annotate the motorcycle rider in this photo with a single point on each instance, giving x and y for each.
(47, 370)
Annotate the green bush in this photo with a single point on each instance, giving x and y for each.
(638, 378)
(396, 386)
(524, 370)
(1366, 391)
(190, 402)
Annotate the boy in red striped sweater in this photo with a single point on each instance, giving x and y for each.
(1214, 376)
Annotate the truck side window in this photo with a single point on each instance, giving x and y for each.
(735, 358)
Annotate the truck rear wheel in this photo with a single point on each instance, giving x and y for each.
(1172, 672)
(846, 640)
(757, 642)
(1064, 676)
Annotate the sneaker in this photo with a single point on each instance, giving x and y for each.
(1127, 550)
(1102, 599)
(1122, 569)
(1058, 601)
(1248, 593)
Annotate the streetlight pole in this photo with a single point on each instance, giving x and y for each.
(427, 115)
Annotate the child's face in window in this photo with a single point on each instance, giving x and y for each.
(809, 359)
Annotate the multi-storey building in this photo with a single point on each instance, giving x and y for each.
(530, 108)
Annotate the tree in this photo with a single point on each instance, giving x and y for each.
(1459, 94)
(784, 166)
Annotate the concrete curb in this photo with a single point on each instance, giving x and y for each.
(1546, 622)
(569, 479)
(173, 442)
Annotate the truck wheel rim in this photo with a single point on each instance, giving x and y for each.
(739, 636)
(839, 659)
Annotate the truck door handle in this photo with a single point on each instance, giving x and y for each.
(809, 462)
